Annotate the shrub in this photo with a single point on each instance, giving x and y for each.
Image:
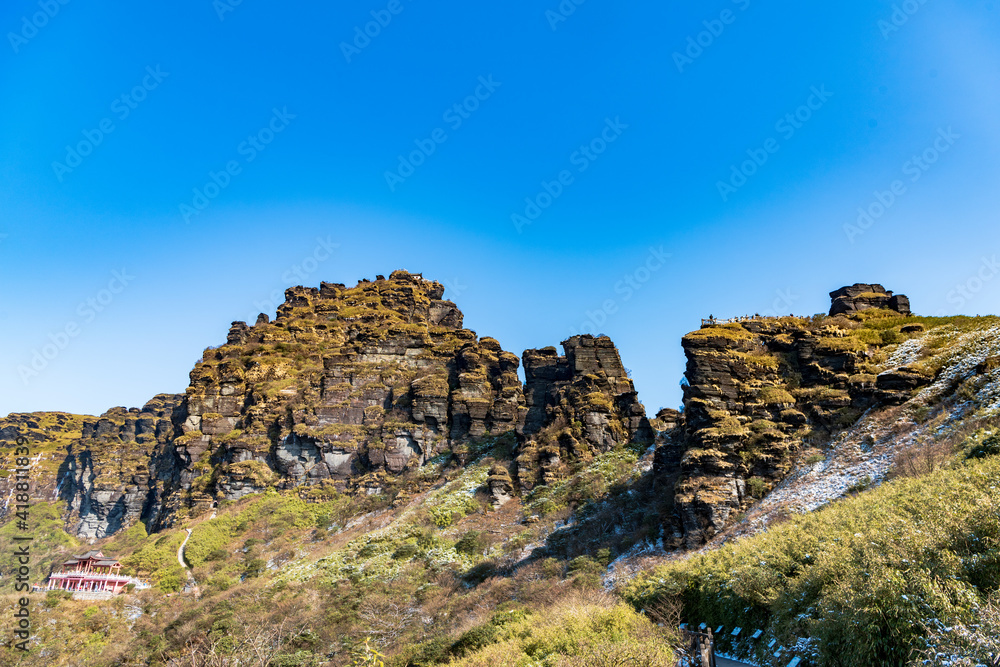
(775, 396)
(171, 580)
(429, 653)
(987, 447)
(859, 485)
(576, 633)
(553, 568)
(474, 639)
(208, 541)
(406, 551)
(480, 573)
(757, 487)
(254, 568)
(890, 336)
(471, 544)
(53, 598)
(585, 571)
(221, 582)
(965, 644)
(297, 659)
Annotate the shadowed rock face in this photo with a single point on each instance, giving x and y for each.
(343, 387)
(578, 404)
(46, 436)
(121, 468)
(862, 296)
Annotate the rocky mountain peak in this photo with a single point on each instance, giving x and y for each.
(345, 388)
(578, 404)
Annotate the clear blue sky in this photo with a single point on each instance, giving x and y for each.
(633, 125)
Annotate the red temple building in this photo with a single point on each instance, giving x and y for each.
(93, 572)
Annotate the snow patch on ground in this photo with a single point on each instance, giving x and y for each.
(907, 353)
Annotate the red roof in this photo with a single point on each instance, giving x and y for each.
(94, 558)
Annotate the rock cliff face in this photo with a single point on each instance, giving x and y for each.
(578, 404)
(862, 296)
(344, 383)
(47, 435)
(122, 468)
(762, 392)
(348, 388)
(345, 387)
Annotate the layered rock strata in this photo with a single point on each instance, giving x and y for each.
(578, 404)
(758, 392)
(345, 382)
(123, 468)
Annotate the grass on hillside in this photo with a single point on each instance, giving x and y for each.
(50, 543)
(857, 581)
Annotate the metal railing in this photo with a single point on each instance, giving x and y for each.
(715, 321)
(88, 575)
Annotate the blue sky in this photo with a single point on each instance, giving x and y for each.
(624, 168)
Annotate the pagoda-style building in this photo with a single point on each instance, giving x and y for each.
(93, 572)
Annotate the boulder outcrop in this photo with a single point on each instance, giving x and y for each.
(46, 435)
(343, 388)
(864, 296)
(344, 382)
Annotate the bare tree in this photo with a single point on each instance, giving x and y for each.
(253, 640)
(385, 618)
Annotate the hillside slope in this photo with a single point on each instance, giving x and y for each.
(363, 474)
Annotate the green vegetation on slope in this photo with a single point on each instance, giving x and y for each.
(861, 577)
(575, 633)
(48, 545)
